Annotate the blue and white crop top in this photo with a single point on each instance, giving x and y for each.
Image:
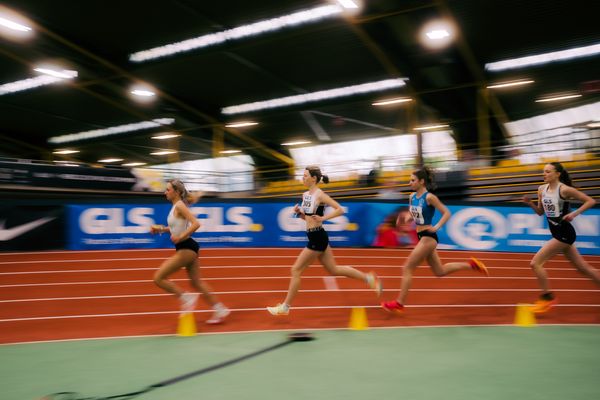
(177, 225)
(311, 203)
(421, 212)
(555, 207)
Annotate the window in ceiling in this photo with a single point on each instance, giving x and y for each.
(223, 174)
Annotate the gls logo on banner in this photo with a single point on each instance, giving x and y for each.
(97, 221)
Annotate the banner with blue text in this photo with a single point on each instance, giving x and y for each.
(118, 226)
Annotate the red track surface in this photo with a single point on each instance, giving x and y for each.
(69, 295)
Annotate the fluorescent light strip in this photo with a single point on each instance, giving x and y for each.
(391, 101)
(166, 136)
(253, 29)
(163, 152)
(27, 84)
(347, 4)
(13, 25)
(230, 151)
(133, 164)
(142, 93)
(295, 143)
(570, 96)
(240, 124)
(429, 127)
(544, 58)
(65, 151)
(110, 160)
(315, 96)
(64, 74)
(509, 84)
(110, 131)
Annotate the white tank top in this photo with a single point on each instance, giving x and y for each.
(311, 203)
(554, 205)
(177, 225)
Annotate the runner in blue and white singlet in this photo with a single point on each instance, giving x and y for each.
(422, 206)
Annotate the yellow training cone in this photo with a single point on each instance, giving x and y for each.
(187, 325)
(358, 319)
(524, 315)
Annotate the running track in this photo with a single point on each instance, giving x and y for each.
(70, 295)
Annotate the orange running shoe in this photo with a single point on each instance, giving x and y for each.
(393, 306)
(479, 266)
(544, 304)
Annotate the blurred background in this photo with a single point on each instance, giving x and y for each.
(100, 106)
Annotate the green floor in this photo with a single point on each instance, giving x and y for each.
(545, 362)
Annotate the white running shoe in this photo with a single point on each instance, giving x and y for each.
(219, 316)
(188, 301)
(374, 283)
(279, 309)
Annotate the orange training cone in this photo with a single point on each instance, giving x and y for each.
(358, 319)
(524, 315)
(187, 325)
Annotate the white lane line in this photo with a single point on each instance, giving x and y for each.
(264, 309)
(286, 278)
(220, 267)
(124, 296)
(330, 283)
(292, 256)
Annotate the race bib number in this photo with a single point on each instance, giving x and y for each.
(550, 208)
(417, 214)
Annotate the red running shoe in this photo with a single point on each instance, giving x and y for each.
(392, 306)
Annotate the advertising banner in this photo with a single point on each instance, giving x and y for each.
(31, 228)
(234, 225)
(515, 229)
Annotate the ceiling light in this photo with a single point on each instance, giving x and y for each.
(556, 98)
(13, 25)
(230, 151)
(65, 151)
(240, 124)
(163, 152)
(509, 84)
(347, 3)
(436, 34)
(142, 93)
(133, 164)
(544, 58)
(164, 136)
(211, 39)
(315, 96)
(295, 143)
(391, 101)
(27, 84)
(110, 160)
(57, 73)
(111, 131)
(430, 127)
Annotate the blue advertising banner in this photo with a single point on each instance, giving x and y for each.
(516, 229)
(244, 225)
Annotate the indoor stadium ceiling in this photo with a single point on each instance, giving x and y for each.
(102, 41)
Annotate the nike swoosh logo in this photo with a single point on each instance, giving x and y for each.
(15, 231)
(553, 223)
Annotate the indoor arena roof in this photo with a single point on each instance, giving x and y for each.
(238, 52)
